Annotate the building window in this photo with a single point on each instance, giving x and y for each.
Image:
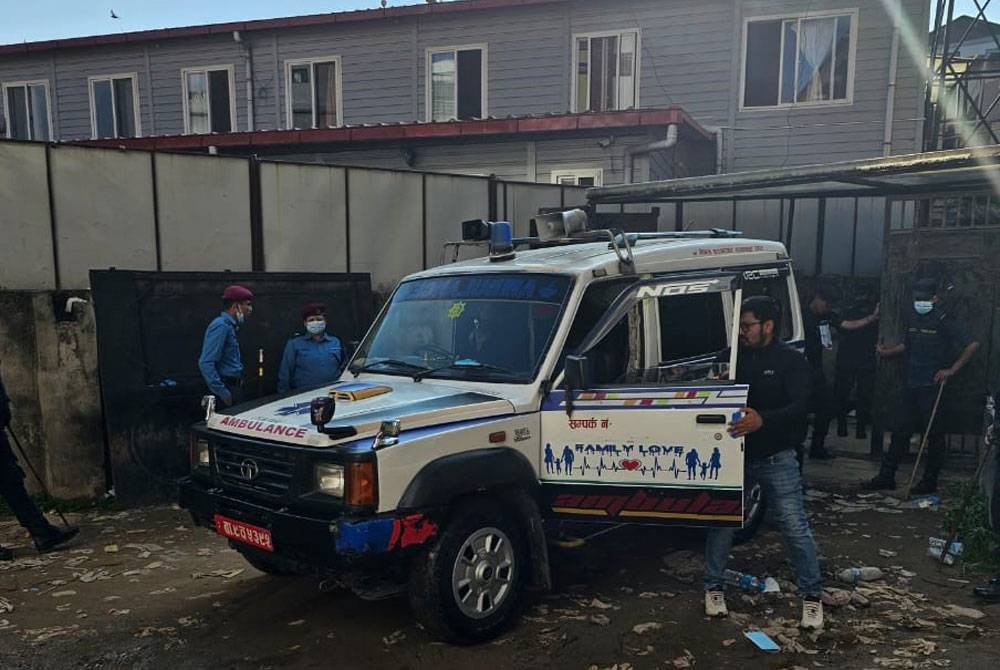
(606, 72)
(806, 60)
(584, 177)
(313, 93)
(209, 105)
(456, 83)
(26, 108)
(114, 108)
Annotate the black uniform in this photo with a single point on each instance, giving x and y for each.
(12, 482)
(778, 376)
(818, 332)
(932, 342)
(855, 369)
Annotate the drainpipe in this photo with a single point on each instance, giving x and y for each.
(890, 99)
(248, 63)
(660, 145)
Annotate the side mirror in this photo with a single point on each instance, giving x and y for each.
(321, 412)
(577, 370)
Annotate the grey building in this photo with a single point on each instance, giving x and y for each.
(752, 84)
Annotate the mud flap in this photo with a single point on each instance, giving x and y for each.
(527, 509)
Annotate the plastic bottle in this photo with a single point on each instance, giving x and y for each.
(855, 575)
(735, 418)
(750, 583)
(936, 547)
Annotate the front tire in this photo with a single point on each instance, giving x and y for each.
(754, 511)
(468, 587)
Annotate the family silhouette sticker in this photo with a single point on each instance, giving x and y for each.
(693, 467)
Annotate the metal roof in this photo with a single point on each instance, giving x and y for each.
(971, 169)
(351, 16)
(513, 125)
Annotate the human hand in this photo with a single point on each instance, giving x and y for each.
(941, 376)
(750, 422)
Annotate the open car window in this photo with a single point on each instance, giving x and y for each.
(694, 341)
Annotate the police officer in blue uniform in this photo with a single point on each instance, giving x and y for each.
(221, 362)
(932, 336)
(313, 358)
(46, 536)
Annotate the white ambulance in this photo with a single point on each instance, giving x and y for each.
(583, 379)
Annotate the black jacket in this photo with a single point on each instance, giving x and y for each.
(779, 379)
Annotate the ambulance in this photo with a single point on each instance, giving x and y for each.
(574, 376)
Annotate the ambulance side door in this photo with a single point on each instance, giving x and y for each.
(637, 430)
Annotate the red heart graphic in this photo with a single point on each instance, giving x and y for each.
(631, 464)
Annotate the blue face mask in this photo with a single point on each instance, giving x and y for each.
(316, 327)
(923, 306)
(240, 317)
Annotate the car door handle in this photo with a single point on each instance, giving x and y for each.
(711, 418)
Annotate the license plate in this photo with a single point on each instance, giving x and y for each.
(246, 533)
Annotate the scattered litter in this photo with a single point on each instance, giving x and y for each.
(646, 595)
(6, 606)
(598, 604)
(600, 619)
(935, 546)
(886, 553)
(956, 610)
(162, 592)
(225, 574)
(642, 628)
(730, 642)
(394, 638)
(63, 594)
(43, 634)
(150, 631)
(855, 575)
(297, 622)
(118, 612)
(836, 597)
(751, 583)
(111, 549)
(188, 621)
(925, 502)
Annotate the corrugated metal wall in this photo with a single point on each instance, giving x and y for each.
(138, 210)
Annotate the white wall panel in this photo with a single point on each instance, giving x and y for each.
(385, 225)
(451, 200)
(104, 211)
(204, 206)
(26, 260)
(304, 208)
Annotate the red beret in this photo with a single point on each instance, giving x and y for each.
(313, 309)
(237, 293)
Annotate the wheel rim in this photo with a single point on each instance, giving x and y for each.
(483, 576)
(753, 501)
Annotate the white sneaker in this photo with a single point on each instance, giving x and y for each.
(812, 614)
(715, 604)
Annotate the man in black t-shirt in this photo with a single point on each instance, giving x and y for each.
(931, 337)
(819, 320)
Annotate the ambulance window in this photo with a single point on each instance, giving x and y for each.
(691, 325)
(777, 288)
(597, 298)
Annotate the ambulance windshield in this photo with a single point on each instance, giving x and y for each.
(494, 327)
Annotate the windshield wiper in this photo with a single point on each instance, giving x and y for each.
(464, 364)
(393, 362)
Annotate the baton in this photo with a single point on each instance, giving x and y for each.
(24, 457)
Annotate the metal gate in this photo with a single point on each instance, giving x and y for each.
(150, 327)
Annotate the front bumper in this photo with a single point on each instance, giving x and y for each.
(307, 539)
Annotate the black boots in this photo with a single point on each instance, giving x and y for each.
(883, 481)
(841, 427)
(924, 486)
(54, 537)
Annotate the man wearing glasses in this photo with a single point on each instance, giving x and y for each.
(778, 377)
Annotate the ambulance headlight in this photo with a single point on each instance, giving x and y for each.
(329, 479)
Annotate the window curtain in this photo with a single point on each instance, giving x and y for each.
(815, 52)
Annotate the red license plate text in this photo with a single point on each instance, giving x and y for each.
(244, 532)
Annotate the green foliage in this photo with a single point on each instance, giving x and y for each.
(982, 545)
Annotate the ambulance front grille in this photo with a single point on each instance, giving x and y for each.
(255, 469)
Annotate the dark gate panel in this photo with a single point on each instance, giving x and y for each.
(150, 327)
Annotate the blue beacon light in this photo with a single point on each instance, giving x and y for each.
(501, 241)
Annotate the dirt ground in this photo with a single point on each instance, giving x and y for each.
(145, 589)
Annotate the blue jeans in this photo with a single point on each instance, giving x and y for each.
(782, 487)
